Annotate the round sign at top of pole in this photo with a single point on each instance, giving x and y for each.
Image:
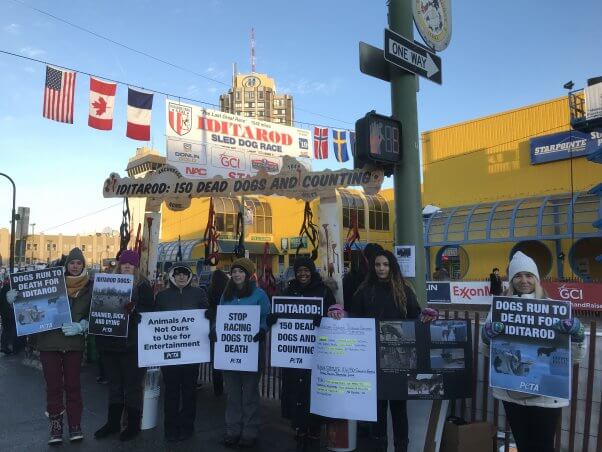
(433, 21)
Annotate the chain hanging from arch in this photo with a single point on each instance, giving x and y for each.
(125, 231)
(239, 249)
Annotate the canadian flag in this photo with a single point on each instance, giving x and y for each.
(102, 100)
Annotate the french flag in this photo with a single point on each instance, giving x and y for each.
(140, 105)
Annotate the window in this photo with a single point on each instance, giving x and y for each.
(260, 104)
(278, 103)
(260, 95)
(84, 248)
(261, 113)
(249, 104)
(249, 95)
(353, 206)
(262, 216)
(238, 112)
(35, 246)
(378, 213)
(226, 211)
(238, 95)
(28, 246)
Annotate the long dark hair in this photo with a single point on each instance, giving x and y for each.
(396, 281)
(232, 291)
(217, 285)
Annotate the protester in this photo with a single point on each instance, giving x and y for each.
(357, 272)
(61, 352)
(8, 339)
(180, 380)
(120, 357)
(533, 419)
(495, 282)
(217, 284)
(385, 295)
(242, 388)
(296, 383)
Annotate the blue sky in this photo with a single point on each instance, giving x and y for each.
(502, 55)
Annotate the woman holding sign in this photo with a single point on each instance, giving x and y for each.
(385, 295)
(296, 383)
(533, 418)
(242, 388)
(120, 357)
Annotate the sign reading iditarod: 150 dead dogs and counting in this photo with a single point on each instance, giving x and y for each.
(293, 335)
(530, 355)
(110, 295)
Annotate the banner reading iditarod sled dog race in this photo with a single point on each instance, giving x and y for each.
(42, 303)
(343, 377)
(424, 361)
(203, 143)
(530, 355)
(110, 295)
(169, 338)
(293, 335)
(235, 327)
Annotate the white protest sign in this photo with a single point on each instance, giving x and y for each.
(406, 258)
(235, 327)
(170, 338)
(293, 335)
(343, 377)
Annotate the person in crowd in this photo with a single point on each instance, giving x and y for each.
(242, 388)
(120, 357)
(495, 282)
(61, 352)
(296, 383)
(8, 339)
(217, 285)
(441, 274)
(533, 419)
(385, 295)
(180, 380)
(359, 268)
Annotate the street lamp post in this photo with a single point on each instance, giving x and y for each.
(12, 225)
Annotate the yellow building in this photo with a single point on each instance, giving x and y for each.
(494, 199)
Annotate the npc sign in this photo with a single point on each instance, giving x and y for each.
(293, 335)
(235, 327)
(110, 295)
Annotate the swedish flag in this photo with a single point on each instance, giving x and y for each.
(339, 141)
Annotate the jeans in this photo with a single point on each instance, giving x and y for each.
(242, 403)
(62, 372)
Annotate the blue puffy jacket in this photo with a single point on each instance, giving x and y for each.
(258, 297)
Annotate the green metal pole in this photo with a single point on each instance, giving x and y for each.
(408, 200)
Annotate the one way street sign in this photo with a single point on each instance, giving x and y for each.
(412, 57)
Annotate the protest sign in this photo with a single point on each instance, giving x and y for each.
(293, 335)
(42, 303)
(424, 360)
(169, 338)
(235, 327)
(343, 377)
(531, 356)
(110, 294)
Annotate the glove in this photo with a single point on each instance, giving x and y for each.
(210, 315)
(572, 326)
(212, 335)
(11, 296)
(260, 336)
(428, 315)
(491, 330)
(129, 307)
(136, 317)
(73, 328)
(271, 319)
(317, 319)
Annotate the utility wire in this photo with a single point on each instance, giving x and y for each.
(82, 217)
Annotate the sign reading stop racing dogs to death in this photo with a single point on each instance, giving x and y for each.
(235, 327)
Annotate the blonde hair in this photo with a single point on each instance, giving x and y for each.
(137, 275)
(540, 292)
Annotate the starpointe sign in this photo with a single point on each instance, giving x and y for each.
(294, 181)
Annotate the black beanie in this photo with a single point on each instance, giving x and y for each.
(75, 254)
(304, 262)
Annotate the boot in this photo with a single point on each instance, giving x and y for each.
(113, 424)
(56, 429)
(381, 444)
(401, 445)
(133, 427)
(312, 444)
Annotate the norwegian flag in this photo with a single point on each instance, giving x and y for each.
(320, 143)
(59, 91)
(102, 101)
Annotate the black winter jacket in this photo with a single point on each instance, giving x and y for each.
(174, 299)
(377, 302)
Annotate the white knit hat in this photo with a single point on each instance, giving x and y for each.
(522, 263)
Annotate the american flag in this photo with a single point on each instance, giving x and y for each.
(58, 95)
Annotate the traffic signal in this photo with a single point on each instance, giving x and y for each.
(378, 142)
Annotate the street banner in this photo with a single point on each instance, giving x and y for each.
(235, 327)
(169, 338)
(583, 296)
(343, 377)
(204, 143)
(463, 292)
(564, 145)
(438, 292)
(531, 356)
(42, 303)
(110, 294)
(293, 335)
(593, 101)
(424, 360)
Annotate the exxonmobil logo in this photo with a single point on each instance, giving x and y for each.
(468, 293)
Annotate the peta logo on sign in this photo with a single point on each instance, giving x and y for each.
(172, 355)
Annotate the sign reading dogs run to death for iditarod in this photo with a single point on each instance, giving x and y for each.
(110, 295)
(235, 327)
(530, 355)
(42, 303)
(293, 335)
(169, 338)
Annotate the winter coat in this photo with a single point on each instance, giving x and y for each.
(377, 302)
(258, 297)
(522, 398)
(55, 340)
(296, 383)
(143, 297)
(175, 299)
(495, 284)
